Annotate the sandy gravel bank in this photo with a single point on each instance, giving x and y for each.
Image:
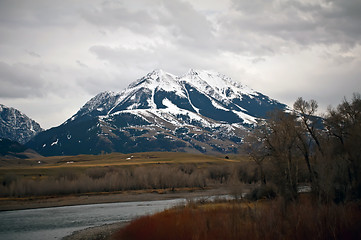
(96, 233)
(129, 196)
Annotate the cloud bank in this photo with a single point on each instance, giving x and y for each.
(55, 55)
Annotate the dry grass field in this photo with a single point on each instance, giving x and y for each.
(267, 219)
(50, 165)
(64, 175)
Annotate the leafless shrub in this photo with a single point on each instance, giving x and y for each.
(107, 180)
(67, 174)
(8, 179)
(220, 173)
(97, 172)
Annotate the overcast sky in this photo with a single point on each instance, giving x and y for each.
(56, 55)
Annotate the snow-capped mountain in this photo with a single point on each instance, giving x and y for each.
(16, 126)
(201, 111)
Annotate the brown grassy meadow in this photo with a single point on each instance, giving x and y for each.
(270, 219)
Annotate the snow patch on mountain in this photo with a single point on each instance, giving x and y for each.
(216, 84)
(218, 106)
(247, 118)
(55, 142)
(170, 106)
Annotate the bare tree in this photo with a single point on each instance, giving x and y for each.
(276, 139)
(330, 149)
(256, 149)
(344, 126)
(307, 110)
(309, 134)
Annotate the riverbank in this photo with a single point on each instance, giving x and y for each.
(96, 233)
(7, 204)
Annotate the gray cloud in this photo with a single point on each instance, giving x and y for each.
(138, 61)
(52, 50)
(81, 64)
(33, 54)
(190, 26)
(175, 21)
(27, 81)
(121, 55)
(20, 80)
(38, 13)
(113, 15)
(265, 27)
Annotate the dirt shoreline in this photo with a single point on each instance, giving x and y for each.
(103, 232)
(7, 204)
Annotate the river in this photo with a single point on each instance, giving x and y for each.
(58, 222)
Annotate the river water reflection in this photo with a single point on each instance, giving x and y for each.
(58, 222)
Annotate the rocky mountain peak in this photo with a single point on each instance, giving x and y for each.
(16, 126)
(200, 111)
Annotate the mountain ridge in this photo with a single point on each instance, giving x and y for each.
(156, 81)
(200, 111)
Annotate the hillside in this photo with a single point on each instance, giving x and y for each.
(13, 150)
